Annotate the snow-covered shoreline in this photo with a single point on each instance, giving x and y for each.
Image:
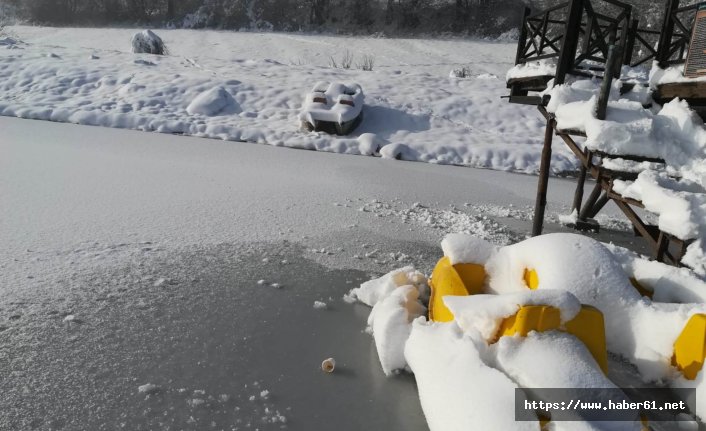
(88, 76)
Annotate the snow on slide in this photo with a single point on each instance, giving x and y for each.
(252, 87)
(467, 377)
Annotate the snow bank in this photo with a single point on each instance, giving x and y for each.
(485, 313)
(412, 108)
(213, 102)
(146, 42)
(638, 329)
(457, 390)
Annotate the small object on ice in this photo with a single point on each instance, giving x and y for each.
(328, 365)
(265, 394)
(252, 398)
(160, 282)
(52, 55)
(284, 261)
(276, 285)
(146, 42)
(319, 305)
(94, 57)
(261, 282)
(70, 318)
(148, 388)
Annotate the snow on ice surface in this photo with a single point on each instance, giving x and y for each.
(411, 104)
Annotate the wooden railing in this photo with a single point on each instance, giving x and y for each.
(676, 33)
(574, 33)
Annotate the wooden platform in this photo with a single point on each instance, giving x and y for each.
(694, 92)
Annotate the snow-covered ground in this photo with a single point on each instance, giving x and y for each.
(90, 76)
(133, 259)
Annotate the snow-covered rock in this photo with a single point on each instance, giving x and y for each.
(147, 42)
(212, 102)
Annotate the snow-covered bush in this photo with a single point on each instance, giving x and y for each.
(146, 42)
(463, 72)
(345, 63)
(367, 63)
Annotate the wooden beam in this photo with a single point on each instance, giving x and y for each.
(569, 42)
(542, 184)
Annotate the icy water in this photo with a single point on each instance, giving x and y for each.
(222, 351)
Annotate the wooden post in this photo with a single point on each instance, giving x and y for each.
(665, 37)
(624, 33)
(578, 194)
(591, 202)
(630, 42)
(541, 200)
(569, 43)
(523, 36)
(598, 206)
(613, 63)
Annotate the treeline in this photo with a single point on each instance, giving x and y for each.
(390, 17)
(344, 16)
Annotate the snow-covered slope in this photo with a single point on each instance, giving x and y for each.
(89, 76)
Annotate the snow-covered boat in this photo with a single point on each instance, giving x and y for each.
(333, 108)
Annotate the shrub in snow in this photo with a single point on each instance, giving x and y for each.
(146, 42)
(367, 63)
(213, 102)
(463, 72)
